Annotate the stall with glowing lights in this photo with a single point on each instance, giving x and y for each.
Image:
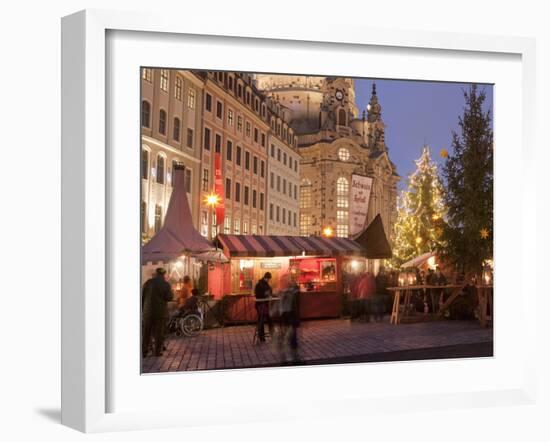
(177, 246)
(319, 265)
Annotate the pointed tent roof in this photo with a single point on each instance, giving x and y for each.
(418, 260)
(373, 239)
(177, 236)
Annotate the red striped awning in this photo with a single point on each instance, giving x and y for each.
(275, 245)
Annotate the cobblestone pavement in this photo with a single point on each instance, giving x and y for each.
(232, 347)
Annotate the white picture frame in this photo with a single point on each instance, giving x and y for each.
(86, 354)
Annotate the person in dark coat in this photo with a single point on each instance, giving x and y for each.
(431, 293)
(439, 279)
(419, 296)
(154, 296)
(263, 291)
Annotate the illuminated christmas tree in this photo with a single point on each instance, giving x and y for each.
(420, 213)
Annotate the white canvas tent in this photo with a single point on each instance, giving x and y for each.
(418, 261)
(177, 236)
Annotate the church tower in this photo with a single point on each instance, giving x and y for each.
(338, 108)
(377, 128)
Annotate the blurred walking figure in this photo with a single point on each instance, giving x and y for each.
(154, 297)
(289, 308)
(263, 291)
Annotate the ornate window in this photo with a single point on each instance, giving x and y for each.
(342, 192)
(342, 223)
(191, 99)
(342, 117)
(145, 114)
(343, 154)
(160, 169)
(144, 164)
(176, 134)
(305, 224)
(205, 180)
(178, 89)
(305, 194)
(158, 218)
(227, 188)
(147, 74)
(164, 79)
(162, 122)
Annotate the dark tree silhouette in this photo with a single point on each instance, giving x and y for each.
(468, 175)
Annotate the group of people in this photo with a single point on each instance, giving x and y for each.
(155, 295)
(286, 306)
(428, 300)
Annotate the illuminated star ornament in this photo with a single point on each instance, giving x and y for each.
(444, 153)
(484, 233)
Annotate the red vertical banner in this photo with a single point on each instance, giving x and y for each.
(218, 188)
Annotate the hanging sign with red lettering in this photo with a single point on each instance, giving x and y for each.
(361, 187)
(218, 188)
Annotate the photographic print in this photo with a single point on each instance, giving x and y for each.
(299, 220)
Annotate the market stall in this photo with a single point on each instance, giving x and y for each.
(317, 264)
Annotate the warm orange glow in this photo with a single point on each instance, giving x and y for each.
(328, 231)
(418, 240)
(212, 200)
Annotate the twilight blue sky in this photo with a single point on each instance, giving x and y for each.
(416, 112)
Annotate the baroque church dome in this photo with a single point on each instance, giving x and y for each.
(303, 95)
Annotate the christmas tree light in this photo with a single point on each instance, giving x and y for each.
(420, 212)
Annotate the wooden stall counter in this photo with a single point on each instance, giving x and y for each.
(320, 304)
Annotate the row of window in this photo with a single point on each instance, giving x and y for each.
(279, 214)
(342, 224)
(342, 193)
(277, 126)
(283, 189)
(282, 158)
(159, 172)
(250, 161)
(164, 81)
(236, 224)
(259, 137)
(241, 91)
(176, 126)
(254, 102)
(249, 198)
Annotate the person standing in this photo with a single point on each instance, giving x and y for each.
(263, 291)
(154, 297)
(290, 317)
(439, 279)
(431, 293)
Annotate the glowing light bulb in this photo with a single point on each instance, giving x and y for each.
(212, 200)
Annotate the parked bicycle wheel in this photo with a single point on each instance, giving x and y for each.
(191, 325)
